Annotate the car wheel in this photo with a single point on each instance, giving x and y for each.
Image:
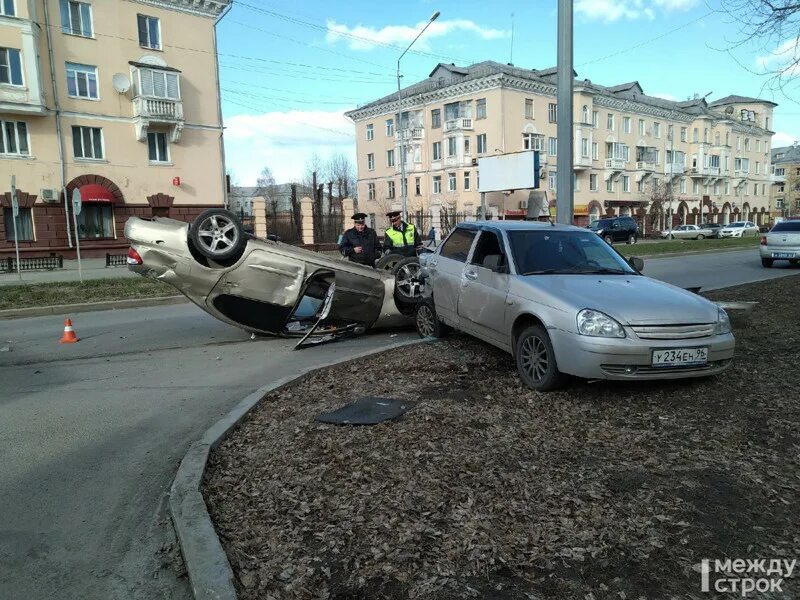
(218, 235)
(536, 361)
(609, 240)
(766, 262)
(388, 262)
(407, 286)
(670, 237)
(428, 323)
(700, 236)
(631, 239)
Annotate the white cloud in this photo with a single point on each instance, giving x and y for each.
(665, 96)
(361, 37)
(284, 141)
(610, 11)
(785, 58)
(781, 139)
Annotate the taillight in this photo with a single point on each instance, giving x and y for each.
(763, 240)
(133, 257)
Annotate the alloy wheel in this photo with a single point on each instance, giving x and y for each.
(217, 234)
(535, 360)
(425, 321)
(407, 279)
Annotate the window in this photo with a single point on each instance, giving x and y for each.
(82, 81)
(758, 145)
(585, 114)
(552, 112)
(10, 66)
(758, 168)
(417, 186)
(371, 191)
(7, 8)
(594, 150)
(584, 147)
(742, 164)
(763, 189)
(595, 118)
(370, 132)
(76, 18)
(738, 142)
(641, 126)
(670, 132)
(480, 108)
(640, 185)
(458, 244)
(610, 121)
(390, 189)
(437, 150)
(436, 118)
(657, 129)
(766, 123)
(451, 182)
(157, 148)
(390, 158)
(755, 189)
(389, 127)
(158, 84)
(747, 144)
(488, 245)
(626, 183)
(727, 188)
(610, 184)
(451, 146)
(713, 161)
(149, 32)
(705, 135)
(532, 141)
(683, 185)
(716, 188)
(716, 139)
(437, 184)
(593, 182)
(466, 144)
(552, 146)
(528, 108)
(95, 221)
(683, 134)
(14, 138)
(466, 180)
(695, 186)
(552, 179)
(727, 138)
(482, 143)
(617, 150)
(24, 225)
(695, 135)
(87, 142)
(371, 162)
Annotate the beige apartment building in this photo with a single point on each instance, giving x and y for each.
(116, 98)
(786, 181)
(632, 152)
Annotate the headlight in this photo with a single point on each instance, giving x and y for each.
(723, 324)
(597, 324)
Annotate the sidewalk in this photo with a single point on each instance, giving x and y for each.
(93, 268)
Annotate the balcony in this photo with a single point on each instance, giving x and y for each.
(742, 172)
(458, 124)
(581, 163)
(675, 169)
(774, 178)
(157, 111)
(414, 133)
(615, 164)
(704, 172)
(645, 165)
(410, 168)
(20, 100)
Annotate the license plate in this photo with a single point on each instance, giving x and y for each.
(783, 255)
(678, 357)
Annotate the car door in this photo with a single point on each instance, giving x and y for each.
(445, 270)
(484, 288)
(618, 234)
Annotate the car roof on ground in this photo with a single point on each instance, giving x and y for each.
(518, 226)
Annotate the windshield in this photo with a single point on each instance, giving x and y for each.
(737, 224)
(601, 224)
(787, 226)
(544, 252)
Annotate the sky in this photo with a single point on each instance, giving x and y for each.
(289, 71)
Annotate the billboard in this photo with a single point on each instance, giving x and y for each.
(514, 171)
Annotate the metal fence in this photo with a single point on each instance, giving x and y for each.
(327, 228)
(422, 222)
(116, 260)
(35, 263)
(248, 223)
(285, 227)
(450, 219)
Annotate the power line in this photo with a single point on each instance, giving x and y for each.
(262, 109)
(246, 84)
(310, 77)
(290, 100)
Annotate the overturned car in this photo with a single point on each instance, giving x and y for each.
(265, 286)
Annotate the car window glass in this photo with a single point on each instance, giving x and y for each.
(488, 244)
(787, 226)
(563, 251)
(458, 244)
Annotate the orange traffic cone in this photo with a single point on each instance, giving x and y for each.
(69, 336)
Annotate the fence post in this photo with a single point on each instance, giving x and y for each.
(348, 210)
(307, 220)
(260, 217)
(436, 220)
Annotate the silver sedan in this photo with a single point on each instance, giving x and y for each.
(562, 301)
(688, 232)
(782, 242)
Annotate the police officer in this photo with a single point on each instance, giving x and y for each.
(360, 243)
(401, 238)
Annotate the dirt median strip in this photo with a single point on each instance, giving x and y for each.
(486, 489)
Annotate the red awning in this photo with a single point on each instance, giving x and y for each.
(94, 192)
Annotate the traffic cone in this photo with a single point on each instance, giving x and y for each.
(69, 336)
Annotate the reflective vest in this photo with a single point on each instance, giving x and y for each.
(397, 236)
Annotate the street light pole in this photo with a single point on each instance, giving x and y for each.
(670, 134)
(401, 133)
(565, 208)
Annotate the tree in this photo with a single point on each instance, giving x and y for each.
(267, 188)
(340, 171)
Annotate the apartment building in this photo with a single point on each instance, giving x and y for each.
(786, 181)
(632, 152)
(116, 98)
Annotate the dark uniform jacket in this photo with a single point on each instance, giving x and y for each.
(403, 240)
(367, 239)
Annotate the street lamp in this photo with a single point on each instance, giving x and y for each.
(403, 184)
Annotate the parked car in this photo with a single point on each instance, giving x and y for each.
(782, 242)
(616, 229)
(715, 228)
(562, 302)
(265, 286)
(688, 232)
(739, 229)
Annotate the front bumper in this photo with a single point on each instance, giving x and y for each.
(723, 234)
(630, 358)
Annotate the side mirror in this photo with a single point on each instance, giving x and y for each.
(637, 263)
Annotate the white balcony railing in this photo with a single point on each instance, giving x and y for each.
(742, 172)
(582, 162)
(414, 133)
(615, 163)
(645, 165)
(456, 124)
(157, 109)
(777, 178)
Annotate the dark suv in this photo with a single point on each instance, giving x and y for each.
(616, 229)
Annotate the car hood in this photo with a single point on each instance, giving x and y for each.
(631, 300)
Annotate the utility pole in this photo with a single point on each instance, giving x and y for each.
(564, 186)
(669, 180)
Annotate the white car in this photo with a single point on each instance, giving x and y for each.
(739, 229)
(781, 243)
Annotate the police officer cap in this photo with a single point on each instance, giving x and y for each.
(359, 217)
(394, 213)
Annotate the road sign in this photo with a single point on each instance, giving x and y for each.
(77, 203)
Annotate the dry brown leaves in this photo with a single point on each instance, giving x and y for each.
(489, 490)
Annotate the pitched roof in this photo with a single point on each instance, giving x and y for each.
(734, 99)
(791, 154)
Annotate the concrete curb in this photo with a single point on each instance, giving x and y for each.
(210, 573)
(64, 309)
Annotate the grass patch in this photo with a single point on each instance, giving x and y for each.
(74, 292)
(670, 246)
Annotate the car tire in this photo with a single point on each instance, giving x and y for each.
(428, 323)
(407, 287)
(766, 262)
(609, 240)
(388, 262)
(631, 239)
(533, 348)
(218, 235)
(670, 237)
(700, 236)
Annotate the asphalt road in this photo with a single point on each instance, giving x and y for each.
(91, 434)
